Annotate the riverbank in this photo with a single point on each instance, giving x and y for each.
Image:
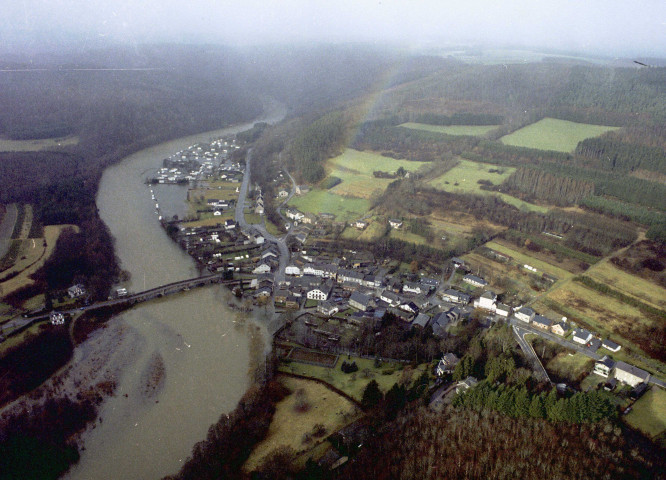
(195, 351)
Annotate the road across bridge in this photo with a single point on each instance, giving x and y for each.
(21, 323)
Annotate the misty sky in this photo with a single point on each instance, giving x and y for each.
(630, 27)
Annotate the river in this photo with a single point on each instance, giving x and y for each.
(189, 357)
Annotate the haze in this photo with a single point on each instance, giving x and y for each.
(616, 27)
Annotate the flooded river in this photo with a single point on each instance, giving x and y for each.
(188, 356)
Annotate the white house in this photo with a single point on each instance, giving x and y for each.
(447, 364)
(487, 300)
(582, 336)
(411, 287)
(262, 268)
(610, 345)
(76, 291)
(327, 308)
(311, 269)
(322, 292)
(604, 366)
(630, 375)
(525, 314)
(292, 270)
(390, 297)
(503, 310)
(474, 280)
(395, 223)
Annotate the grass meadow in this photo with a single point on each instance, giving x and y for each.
(309, 404)
(464, 178)
(649, 412)
(469, 130)
(554, 134)
(644, 290)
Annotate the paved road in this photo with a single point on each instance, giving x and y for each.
(7, 228)
(240, 219)
(525, 346)
(524, 329)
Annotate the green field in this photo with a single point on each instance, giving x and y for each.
(649, 413)
(637, 287)
(410, 237)
(354, 384)
(317, 201)
(470, 130)
(355, 170)
(553, 134)
(349, 200)
(290, 425)
(464, 178)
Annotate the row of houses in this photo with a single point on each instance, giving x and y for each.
(621, 371)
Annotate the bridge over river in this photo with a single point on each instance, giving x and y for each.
(19, 324)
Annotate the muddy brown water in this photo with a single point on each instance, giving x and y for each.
(204, 349)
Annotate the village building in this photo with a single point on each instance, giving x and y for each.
(542, 322)
(76, 291)
(447, 364)
(322, 292)
(439, 324)
(390, 298)
(361, 224)
(561, 328)
(474, 280)
(464, 385)
(57, 318)
(395, 223)
(421, 320)
(292, 270)
(455, 296)
(412, 287)
(292, 302)
(503, 310)
(327, 308)
(261, 268)
(582, 336)
(359, 301)
(525, 314)
(630, 375)
(610, 345)
(487, 301)
(604, 366)
(281, 296)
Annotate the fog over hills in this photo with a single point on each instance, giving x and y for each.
(613, 28)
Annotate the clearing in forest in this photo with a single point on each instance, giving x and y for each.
(469, 130)
(465, 178)
(554, 134)
(355, 169)
(304, 418)
(37, 145)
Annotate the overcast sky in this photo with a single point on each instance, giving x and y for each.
(628, 27)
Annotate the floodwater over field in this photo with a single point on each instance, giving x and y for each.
(190, 355)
